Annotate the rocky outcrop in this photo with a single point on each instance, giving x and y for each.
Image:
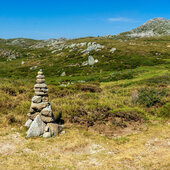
(41, 119)
(153, 27)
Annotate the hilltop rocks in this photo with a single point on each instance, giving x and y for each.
(41, 119)
(93, 46)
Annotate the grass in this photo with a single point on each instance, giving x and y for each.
(104, 127)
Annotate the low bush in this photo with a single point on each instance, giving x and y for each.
(158, 80)
(89, 87)
(165, 111)
(149, 96)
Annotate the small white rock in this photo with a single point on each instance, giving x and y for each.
(28, 123)
(47, 135)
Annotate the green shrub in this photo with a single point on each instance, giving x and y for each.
(149, 96)
(165, 111)
(128, 114)
(159, 80)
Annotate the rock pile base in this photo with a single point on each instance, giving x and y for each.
(41, 119)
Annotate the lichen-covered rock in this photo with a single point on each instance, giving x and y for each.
(36, 128)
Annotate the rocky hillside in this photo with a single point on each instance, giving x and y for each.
(153, 27)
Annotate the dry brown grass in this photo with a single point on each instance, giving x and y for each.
(80, 149)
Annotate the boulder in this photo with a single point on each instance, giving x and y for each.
(91, 60)
(36, 128)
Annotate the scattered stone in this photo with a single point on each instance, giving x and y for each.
(113, 50)
(85, 63)
(63, 85)
(91, 60)
(96, 61)
(22, 62)
(63, 74)
(33, 68)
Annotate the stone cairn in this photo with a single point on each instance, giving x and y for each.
(41, 119)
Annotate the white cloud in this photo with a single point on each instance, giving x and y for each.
(120, 19)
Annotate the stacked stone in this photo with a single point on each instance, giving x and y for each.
(41, 117)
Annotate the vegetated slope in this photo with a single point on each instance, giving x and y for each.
(70, 56)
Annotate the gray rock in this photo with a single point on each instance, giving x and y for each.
(47, 119)
(22, 62)
(33, 115)
(63, 132)
(28, 123)
(63, 74)
(54, 128)
(36, 128)
(46, 129)
(39, 106)
(34, 67)
(36, 99)
(91, 60)
(47, 135)
(113, 50)
(63, 85)
(47, 111)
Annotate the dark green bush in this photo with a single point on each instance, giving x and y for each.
(149, 96)
(159, 80)
(165, 111)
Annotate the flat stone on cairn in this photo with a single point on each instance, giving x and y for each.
(41, 110)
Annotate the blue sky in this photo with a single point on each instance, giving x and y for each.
(43, 19)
